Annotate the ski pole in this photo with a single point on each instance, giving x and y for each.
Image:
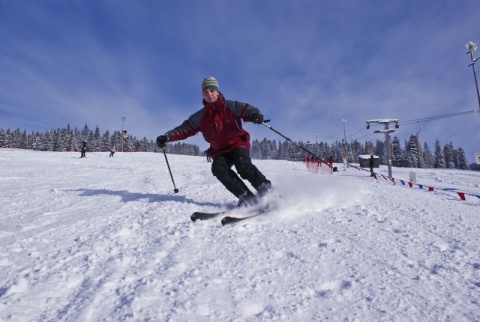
(171, 176)
(301, 147)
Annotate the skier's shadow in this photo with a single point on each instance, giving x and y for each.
(127, 196)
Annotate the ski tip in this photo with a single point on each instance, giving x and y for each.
(193, 217)
(230, 220)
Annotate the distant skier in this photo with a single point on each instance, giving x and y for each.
(345, 163)
(330, 161)
(371, 163)
(112, 151)
(209, 159)
(83, 152)
(220, 122)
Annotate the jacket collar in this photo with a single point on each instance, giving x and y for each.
(215, 106)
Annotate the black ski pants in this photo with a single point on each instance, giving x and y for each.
(222, 169)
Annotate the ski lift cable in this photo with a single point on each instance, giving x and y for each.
(425, 119)
(362, 129)
(432, 118)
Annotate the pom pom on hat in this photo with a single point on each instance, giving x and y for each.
(210, 83)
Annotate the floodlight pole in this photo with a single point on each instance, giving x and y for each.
(345, 136)
(387, 132)
(121, 134)
(472, 47)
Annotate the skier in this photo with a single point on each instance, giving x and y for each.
(112, 151)
(209, 159)
(220, 122)
(345, 163)
(371, 163)
(83, 153)
(330, 161)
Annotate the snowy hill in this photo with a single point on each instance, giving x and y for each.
(106, 239)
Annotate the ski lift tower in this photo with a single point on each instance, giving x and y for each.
(387, 130)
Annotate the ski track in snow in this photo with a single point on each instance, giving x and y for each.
(106, 239)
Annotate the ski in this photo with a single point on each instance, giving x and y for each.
(231, 220)
(250, 213)
(256, 212)
(205, 215)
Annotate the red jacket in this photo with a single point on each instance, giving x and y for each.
(221, 125)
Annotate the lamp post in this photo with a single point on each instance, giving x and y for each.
(121, 134)
(472, 47)
(345, 135)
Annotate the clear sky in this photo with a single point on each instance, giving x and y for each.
(307, 64)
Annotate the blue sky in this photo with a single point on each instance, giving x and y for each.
(307, 64)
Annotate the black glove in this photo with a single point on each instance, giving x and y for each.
(162, 141)
(257, 118)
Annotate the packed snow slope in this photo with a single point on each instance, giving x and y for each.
(107, 239)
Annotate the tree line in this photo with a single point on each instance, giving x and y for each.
(412, 154)
(68, 139)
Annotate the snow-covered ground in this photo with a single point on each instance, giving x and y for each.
(107, 239)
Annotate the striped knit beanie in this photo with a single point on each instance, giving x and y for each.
(209, 83)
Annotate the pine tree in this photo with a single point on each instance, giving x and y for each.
(85, 132)
(24, 140)
(37, 141)
(398, 153)
(439, 156)
(3, 138)
(58, 141)
(106, 142)
(69, 139)
(48, 144)
(97, 141)
(427, 155)
(449, 153)
(380, 151)
(412, 153)
(356, 148)
(462, 160)
(421, 161)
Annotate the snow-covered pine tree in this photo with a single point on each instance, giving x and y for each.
(96, 144)
(462, 160)
(449, 153)
(398, 153)
(381, 151)
(58, 143)
(427, 156)
(85, 133)
(439, 156)
(412, 153)
(105, 142)
(24, 140)
(48, 143)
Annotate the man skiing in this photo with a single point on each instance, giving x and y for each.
(220, 122)
(83, 152)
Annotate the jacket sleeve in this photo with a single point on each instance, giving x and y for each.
(242, 110)
(188, 128)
